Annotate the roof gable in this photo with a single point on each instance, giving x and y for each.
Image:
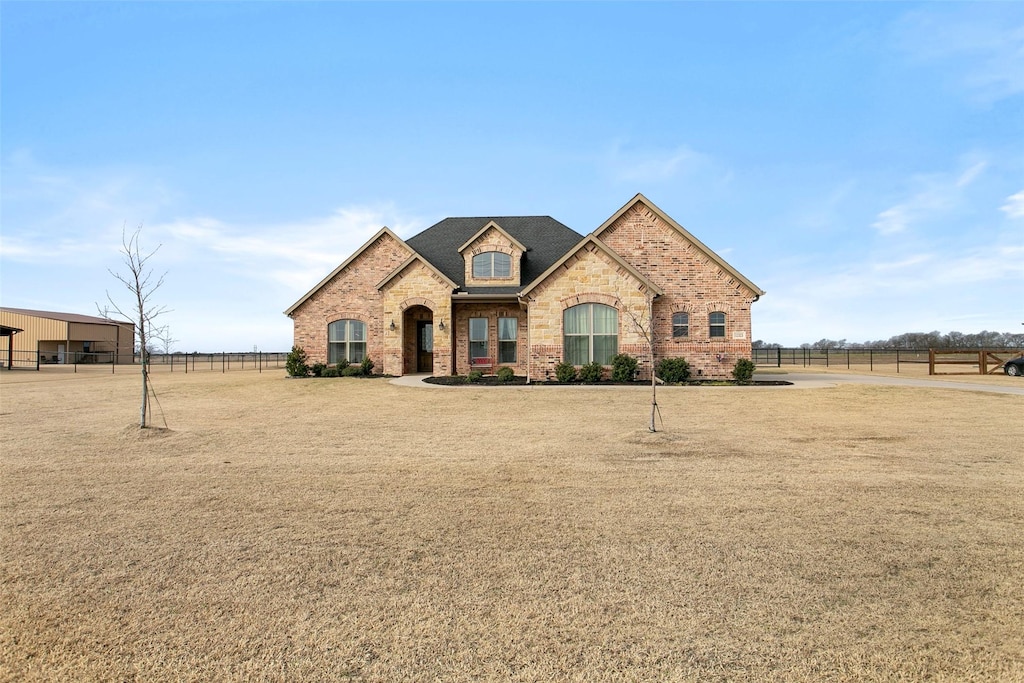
(588, 240)
(544, 239)
(496, 227)
(409, 261)
(380, 233)
(722, 263)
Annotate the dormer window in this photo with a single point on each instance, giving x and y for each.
(492, 264)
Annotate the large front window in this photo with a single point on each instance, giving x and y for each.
(346, 340)
(591, 334)
(507, 328)
(492, 264)
(477, 338)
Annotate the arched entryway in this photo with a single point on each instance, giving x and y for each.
(417, 340)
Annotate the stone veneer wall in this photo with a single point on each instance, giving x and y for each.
(492, 240)
(417, 285)
(352, 293)
(589, 276)
(693, 283)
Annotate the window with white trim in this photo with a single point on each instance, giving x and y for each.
(346, 339)
(477, 338)
(716, 325)
(680, 325)
(507, 333)
(492, 264)
(590, 333)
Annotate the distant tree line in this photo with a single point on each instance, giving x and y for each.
(918, 340)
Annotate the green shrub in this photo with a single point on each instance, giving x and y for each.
(317, 369)
(295, 363)
(341, 365)
(565, 373)
(591, 372)
(330, 372)
(674, 370)
(474, 376)
(743, 371)
(624, 367)
(352, 371)
(505, 375)
(366, 366)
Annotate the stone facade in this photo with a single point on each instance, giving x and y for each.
(639, 262)
(589, 276)
(492, 239)
(417, 288)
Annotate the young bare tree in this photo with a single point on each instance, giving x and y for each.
(643, 323)
(140, 283)
(163, 335)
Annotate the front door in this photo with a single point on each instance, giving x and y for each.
(424, 346)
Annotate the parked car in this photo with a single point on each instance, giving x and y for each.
(1014, 367)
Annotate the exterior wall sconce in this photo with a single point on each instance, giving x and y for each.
(440, 326)
(392, 328)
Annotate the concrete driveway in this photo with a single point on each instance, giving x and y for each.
(812, 380)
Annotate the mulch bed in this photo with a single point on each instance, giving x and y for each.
(492, 381)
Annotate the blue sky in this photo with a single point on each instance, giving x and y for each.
(861, 162)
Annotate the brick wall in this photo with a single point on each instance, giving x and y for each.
(693, 282)
(491, 311)
(352, 293)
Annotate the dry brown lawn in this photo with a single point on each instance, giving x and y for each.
(353, 529)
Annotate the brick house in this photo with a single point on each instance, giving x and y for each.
(527, 292)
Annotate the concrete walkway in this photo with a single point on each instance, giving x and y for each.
(416, 380)
(803, 380)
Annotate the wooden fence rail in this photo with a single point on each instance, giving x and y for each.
(987, 361)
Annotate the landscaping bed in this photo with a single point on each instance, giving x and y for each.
(493, 381)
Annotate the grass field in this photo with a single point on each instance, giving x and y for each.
(352, 529)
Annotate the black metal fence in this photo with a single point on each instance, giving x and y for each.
(169, 362)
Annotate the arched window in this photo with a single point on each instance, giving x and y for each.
(716, 325)
(680, 324)
(492, 264)
(591, 333)
(346, 339)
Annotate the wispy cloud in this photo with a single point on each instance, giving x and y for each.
(871, 299)
(60, 216)
(932, 195)
(294, 254)
(645, 166)
(980, 47)
(64, 218)
(1014, 206)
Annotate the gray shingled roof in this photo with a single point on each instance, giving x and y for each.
(545, 239)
